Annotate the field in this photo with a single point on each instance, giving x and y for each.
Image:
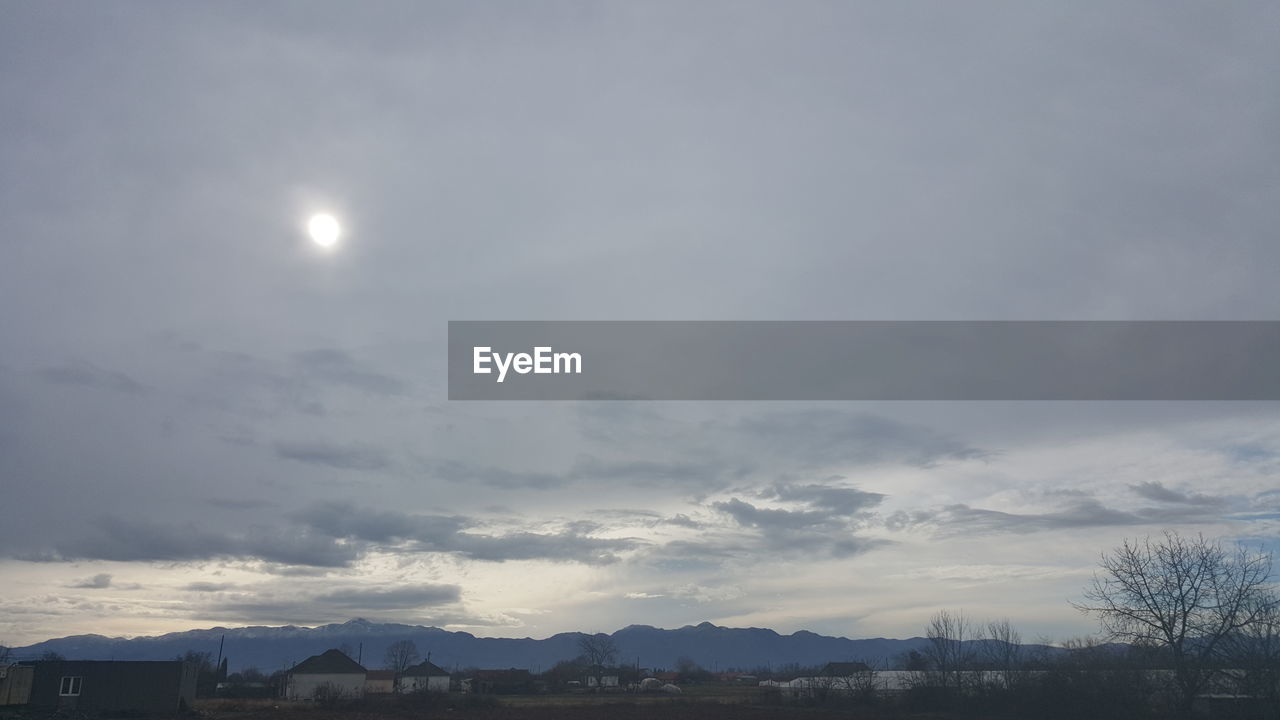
(712, 703)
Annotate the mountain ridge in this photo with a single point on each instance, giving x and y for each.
(272, 648)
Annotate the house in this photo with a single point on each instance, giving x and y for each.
(111, 686)
(604, 681)
(331, 674)
(424, 677)
(380, 682)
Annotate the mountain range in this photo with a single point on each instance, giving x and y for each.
(275, 648)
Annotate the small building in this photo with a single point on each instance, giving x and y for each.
(380, 682)
(424, 677)
(329, 675)
(112, 686)
(604, 681)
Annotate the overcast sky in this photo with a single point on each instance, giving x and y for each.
(206, 420)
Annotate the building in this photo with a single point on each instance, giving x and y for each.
(424, 677)
(111, 686)
(329, 675)
(604, 681)
(380, 682)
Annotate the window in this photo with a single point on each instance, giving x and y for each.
(70, 685)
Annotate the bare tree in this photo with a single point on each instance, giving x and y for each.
(599, 651)
(1002, 652)
(949, 655)
(399, 656)
(1255, 655)
(1186, 596)
(863, 685)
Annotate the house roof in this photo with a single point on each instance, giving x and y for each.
(426, 668)
(328, 662)
(388, 675)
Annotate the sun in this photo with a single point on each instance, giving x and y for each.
(324, 230)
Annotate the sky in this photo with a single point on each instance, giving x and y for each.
(207, 420)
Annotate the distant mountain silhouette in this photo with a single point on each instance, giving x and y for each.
(275, 648)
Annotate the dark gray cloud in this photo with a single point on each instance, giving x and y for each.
(333, 365)
(1154, 490)
(97, 582)
(458, 535)
(342, 457)
(818, 437)
(703, 474)
(402, 598)
(563, 547)
(1086, 513)
(89, 375)
(768, 519)
(208, 587)
(826, 498)
(682, 520)
(340, 520)
(489, 476)
(132, 540)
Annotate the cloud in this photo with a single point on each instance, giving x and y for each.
(400, 598)
(339, 520)
(563, 547)
(1154, 490)
(682, 520)
(445, 534)
(650, 472)
(336, 366)
(749, 515)
(97, 582)
(342, 457)
(1084, 513)
(117, 539)
(86, 374)
(829, 437)
(207, 587)
(490, 476)
(827, 498)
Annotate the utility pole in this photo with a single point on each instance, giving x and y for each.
(218, 668)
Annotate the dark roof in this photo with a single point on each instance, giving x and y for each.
(426, 668)
(380, 675)
(329, 661)
(843, 669)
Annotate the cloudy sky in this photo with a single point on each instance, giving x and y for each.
(206, 420)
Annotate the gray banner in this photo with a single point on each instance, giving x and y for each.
(836, 360)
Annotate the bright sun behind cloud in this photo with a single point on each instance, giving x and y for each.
(324, 230)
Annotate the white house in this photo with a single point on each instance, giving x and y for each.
(424, 677)
(331, 674)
